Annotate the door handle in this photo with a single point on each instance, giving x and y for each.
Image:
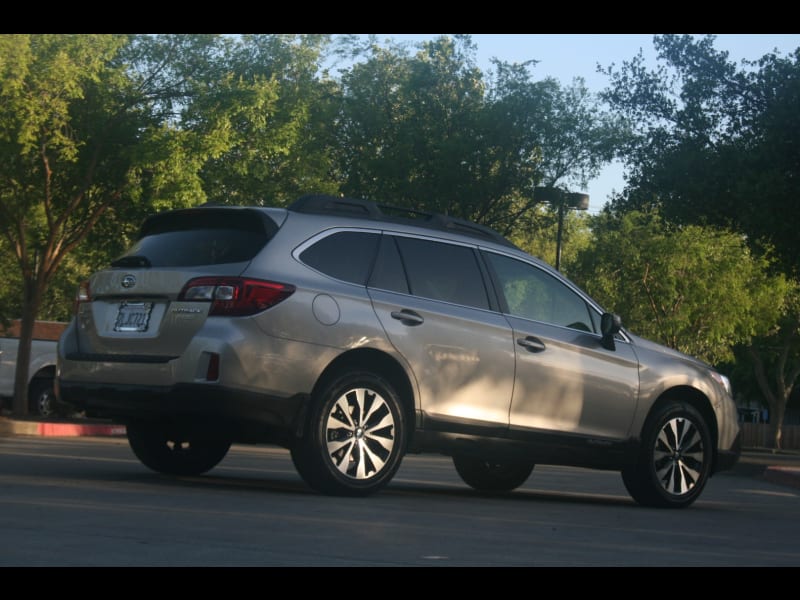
(531, 344)
(407, 317)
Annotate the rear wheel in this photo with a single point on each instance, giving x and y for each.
(174, 454)
(492, 476)
(675, 459)
(355, 437)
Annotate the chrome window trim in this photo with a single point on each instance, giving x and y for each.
(528, 259)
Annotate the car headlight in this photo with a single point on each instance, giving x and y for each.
(723, 381)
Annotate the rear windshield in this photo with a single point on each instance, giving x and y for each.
(199, 237)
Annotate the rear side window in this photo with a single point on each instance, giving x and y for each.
(346, 255)
(197, 237)
(442, 271)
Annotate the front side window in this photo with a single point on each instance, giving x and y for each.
(532, 293)
(441, 271)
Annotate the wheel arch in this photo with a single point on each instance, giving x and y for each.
(379, 363)
(45, 373)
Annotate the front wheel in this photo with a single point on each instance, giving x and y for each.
(174, 454)
(674, 463)
(492, 476)
(355, 437)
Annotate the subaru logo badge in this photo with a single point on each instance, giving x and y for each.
(128, 281)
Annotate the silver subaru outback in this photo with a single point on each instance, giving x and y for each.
(352, 333)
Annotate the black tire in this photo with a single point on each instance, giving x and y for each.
(42, 398)
(347, 455)
(674, 462)
(492, 476)
(184, 454)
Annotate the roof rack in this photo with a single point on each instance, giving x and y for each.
(321, 204)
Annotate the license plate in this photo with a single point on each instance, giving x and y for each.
(133, 316)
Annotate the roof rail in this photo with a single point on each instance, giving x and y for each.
(321, 204)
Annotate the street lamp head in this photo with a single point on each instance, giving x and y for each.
(558, 197)
(578, 201)
(551, 195)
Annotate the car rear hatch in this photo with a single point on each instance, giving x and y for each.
(153, 300)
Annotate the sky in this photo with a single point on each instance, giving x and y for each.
(566, 56)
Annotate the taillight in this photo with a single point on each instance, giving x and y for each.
(82, 294)
(235, 296)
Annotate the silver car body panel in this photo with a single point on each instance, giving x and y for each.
(663, 369)
(574, 385)
(172, 324)
(462, 358)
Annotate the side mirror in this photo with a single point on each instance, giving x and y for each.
(610, 324)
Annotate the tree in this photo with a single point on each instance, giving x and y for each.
(431, 133)
(714, 142)
(45, 210)
(776, 362)
(278, 117)
(699, 290)
(85, 130)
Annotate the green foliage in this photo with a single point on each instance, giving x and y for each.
(697, 289)
(715, 142)
(10, 298)
(775, 359)
(428, 131)
(274, 110)
(539, 235)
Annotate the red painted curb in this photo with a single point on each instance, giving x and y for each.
(72, 429)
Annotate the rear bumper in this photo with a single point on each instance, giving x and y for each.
(243, 416)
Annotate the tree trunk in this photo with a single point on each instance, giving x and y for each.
(777, 413)
(30, 308)
(776, 400)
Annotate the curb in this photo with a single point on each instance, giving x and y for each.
(788, 476)
(14, 427)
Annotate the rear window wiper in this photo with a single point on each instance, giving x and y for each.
(132, 261)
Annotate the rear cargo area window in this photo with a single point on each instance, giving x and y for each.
(200, 237)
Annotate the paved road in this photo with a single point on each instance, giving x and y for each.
(88, 502)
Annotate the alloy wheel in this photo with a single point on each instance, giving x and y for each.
(678, 456)
(360, 433)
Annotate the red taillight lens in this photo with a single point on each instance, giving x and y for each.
(82, 294)
(235, 296)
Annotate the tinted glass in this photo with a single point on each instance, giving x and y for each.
(195, 247)
(388, 273)
(196, 237)
(347, 255)
(443, 272)
(532, 293)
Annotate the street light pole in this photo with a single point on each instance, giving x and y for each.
(562, 200)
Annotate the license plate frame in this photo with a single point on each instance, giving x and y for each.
(133, 317)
